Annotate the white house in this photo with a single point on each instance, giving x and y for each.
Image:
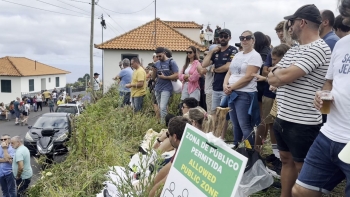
(20, 75)
(140, 42)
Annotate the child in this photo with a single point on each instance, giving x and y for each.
(25, 112)
(51, 104)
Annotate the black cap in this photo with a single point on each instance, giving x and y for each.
(160, 50)
(226, 31)
(308, 12)
(96, 74)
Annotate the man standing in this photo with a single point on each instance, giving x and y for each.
(138, 84)
(323, 170)
(165, 70)
(46, 95)
(7, 180)
(221, 56)
(16, 105)
(340, 29)
(21, 167)
(298, 75)
(326, 28)
(124, 76)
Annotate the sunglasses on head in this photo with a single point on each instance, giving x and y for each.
(189, 52)
(223, 36)
(241, 38)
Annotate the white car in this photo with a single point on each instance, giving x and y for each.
(71, 108)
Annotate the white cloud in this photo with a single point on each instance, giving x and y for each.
(63, 41)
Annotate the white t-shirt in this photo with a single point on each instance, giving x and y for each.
(238, 69)
(96, 83)
(338, 120)
(187, 71)
(295, 100)
(54, 95)
(209, 78)
(26, 107)
(39, 98)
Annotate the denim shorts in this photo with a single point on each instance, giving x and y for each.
(295, 138)
(322, 170)
(217, 97)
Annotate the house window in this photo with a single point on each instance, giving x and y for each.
(129, 56)
(6, 86)
(31, 85)
(49, 80)
(57, 81)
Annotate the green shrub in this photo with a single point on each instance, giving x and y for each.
(104, 135)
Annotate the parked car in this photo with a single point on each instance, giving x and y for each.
(59, 122)
(71, 108)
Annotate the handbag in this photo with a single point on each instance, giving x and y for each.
(177, 85)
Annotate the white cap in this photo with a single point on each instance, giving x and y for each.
(154, 54)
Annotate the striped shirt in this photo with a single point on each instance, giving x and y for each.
(295, 100)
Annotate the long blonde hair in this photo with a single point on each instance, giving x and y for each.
(199, 115)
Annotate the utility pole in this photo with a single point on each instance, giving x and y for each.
(155, 23)
(103, 24)
(92, 43)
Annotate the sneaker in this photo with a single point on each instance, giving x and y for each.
(271, 158)
(275, 170)
(17, 123)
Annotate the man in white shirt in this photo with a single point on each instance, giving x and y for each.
(323, 170)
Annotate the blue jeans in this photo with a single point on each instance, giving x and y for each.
(137, 103)
(8, 185)
(125, 98)
(217, 97)
(322, 169)
(162, 100)
(241, 120)
(51, 109)
(22, 186)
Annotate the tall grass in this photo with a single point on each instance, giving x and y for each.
(104, 135)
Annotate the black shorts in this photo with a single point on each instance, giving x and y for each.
(25, 113)
(154, 99)
(295, 138)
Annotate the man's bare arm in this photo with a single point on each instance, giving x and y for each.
(20, 169)
(207, 59)
(282, 76)
(223, 69)
(328, 85)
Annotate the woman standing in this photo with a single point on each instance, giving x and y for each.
(39, 101)
(189, 75)
(240, 85)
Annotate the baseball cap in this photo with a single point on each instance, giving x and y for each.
(308, 12)
(96, 74)
(226, 31)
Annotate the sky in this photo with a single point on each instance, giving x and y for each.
(61, 38)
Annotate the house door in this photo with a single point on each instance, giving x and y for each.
(43, 83)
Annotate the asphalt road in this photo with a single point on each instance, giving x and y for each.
(13, 130)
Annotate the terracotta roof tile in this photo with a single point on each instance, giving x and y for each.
(184, 24)
(21, 66)
(141, 38)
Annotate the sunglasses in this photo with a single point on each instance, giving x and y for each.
(158, 56)
(223, 36)
(3, 139)
(189, 52)
(291, 22)
(241, 38)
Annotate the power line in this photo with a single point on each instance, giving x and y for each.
(44, 9)
(130, 12)
(80, 1)
(60, 7)
(111, 17)
(74, 6)
(112, 28)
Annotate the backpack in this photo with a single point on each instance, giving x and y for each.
(22, 108)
